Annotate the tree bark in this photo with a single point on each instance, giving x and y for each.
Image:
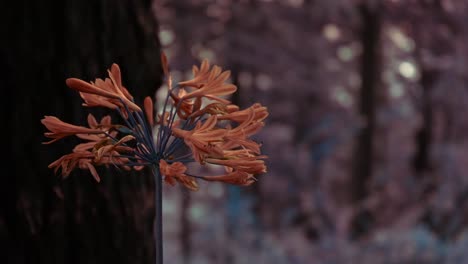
(370, 76)
(76, 220)
(370, 73)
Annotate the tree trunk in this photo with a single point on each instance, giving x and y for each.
(370, 76)
(76, 220)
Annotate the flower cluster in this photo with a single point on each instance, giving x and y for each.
(196, 124)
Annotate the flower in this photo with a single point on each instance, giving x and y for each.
(59, 129)
(176, 172)
(209, 83)
(108, 93)
(235, 177)
(196, 125)
(202, 138)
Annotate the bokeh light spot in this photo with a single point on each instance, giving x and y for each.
(408, 70)
(166, 37)
(331, 32)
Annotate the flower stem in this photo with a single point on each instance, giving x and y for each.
(158, 215)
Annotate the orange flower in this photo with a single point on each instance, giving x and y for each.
(109, 149)
(115, 76)
(105, 126)
(68, 163)
(209, 83)
(251, 165)
(185, 106)
(176, 172)
(235, 177)
(105, 122)
(201, 139)
(59, 129)
(92, 100)
(148, 105)
(108, 93)
(260, 113)
(218, 133)
(239, 136)
(212, 109)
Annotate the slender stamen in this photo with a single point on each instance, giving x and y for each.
(161, 121)
(169, 126)
(130, 125)
(177, 142)
(194, 176)
(147, 132)
(137, 126)
(143, 149)
(139, 133)
(124, 144)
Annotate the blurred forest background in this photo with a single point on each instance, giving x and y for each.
(366, 134)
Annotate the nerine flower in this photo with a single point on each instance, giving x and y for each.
(197, 124)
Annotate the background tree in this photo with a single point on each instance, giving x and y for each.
(365, 154)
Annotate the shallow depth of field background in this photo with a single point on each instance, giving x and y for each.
(367, 137)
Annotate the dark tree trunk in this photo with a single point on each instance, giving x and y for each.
(423, 138)
(370, 76)
(76, 220)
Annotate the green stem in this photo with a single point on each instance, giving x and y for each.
(158, 215)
